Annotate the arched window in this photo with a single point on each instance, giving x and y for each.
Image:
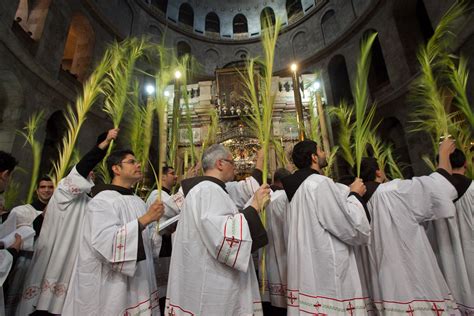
(329, 26)
(414, 28)
(162, 5)
(79, 47)
(239, 24)
(267, 16)
(339, 78)
(294, 10)
(186, 15)
(31, 15)
(212, 23)
(378, 74)
(183, 48)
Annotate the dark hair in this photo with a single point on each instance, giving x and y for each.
(166, 169)
(347, 179)
(368, 168)
(279, 174)
(7, 161)
(115, 158)
(302, 153)
(43, 178)
(457, 159)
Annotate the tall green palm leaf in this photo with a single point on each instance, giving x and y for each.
(435, 61)
(29, 135)
(459, 77)
(363, 118)
(344, 115)
(76, 116)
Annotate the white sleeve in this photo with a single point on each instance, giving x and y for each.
(71, 187)
(225, 234)
(115, 242)
(429, 197)
(242, 191)
(340, 214)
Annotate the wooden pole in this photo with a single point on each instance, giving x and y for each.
(322, 122)
(298, 105)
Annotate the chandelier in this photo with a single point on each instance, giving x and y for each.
(233, 106)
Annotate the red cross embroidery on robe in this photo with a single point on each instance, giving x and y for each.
(291, 298)
(317, 306)
(410, 311)
(350, 309)
(439, 311)
(232, 241)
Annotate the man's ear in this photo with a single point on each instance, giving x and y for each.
(5, 174)
(116, 169)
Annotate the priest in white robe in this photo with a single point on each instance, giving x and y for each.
(453, 238)
(212, 271)
(275, 254)
(114, 273)
(25, 215)
(405, 275)
(325, 220)
(172, 207)
(47, 280)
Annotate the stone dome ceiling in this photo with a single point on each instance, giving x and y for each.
(230, 19)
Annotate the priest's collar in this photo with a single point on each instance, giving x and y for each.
(38, 205)
(292, 182)
(166, 190)
(461, 183)
(371, 188)
(190, 183)
(110, 187)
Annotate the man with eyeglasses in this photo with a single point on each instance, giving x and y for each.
(47, 280)
(212, 271)
(114, 272)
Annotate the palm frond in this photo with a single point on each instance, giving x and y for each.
(11, 194)
(331, 159)
(363, 119)
(211, 135)
(429, 162)
(282, 157)
(29, 135)
(344, 115)
(435, 61)
(459, 77)
(75, 118)
(394, 171)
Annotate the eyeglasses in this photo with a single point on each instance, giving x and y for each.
(131, 161)
(229, 161)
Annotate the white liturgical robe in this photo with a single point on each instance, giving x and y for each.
(275, 251)
(109, 278)
(172, 204)
(325, 221)
(211, 271)
(405, 275)
(47, 280)
(451, 239)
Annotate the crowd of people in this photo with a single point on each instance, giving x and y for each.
(209, 245)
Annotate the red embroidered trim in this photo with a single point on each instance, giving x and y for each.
(143, 302)
(223, 239)
(404, 303)
(180, 308)
(240, 243)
